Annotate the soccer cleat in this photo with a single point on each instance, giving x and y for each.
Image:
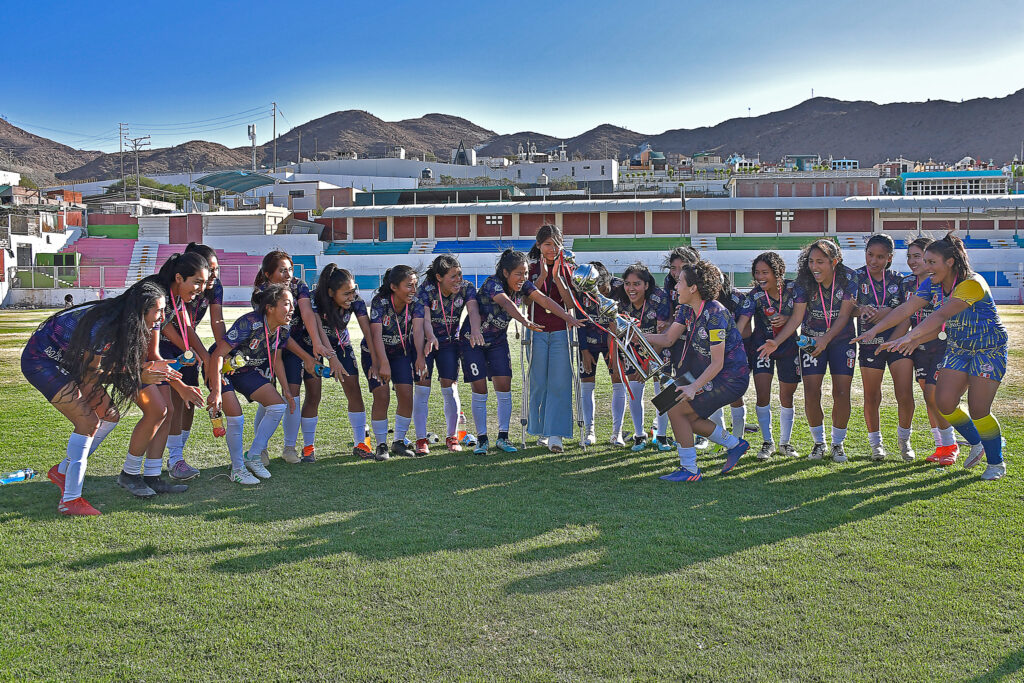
(733, 455)
(362, 451)
(838, 453)
(134, 484)
(993, 472)
(662, 445)
(877, 453)
(767, 451)
(681, 475)
(977, 450)
(422, 447)
(401, 448)
(382, 453)
(818, 452)
(290, 455)
(182, 471)
(639, 444)
(700, 442)
(616, 440)
(78, 507)
(751, 429)
(308, 454)
(452, 444)
(787, 450)
(265, 457)
(505, 445)
(906, 451)
(56, 477)
(161, 485)
(241, 475)
(591, 438)
(481, 445)
(934, 457)
(256, 466)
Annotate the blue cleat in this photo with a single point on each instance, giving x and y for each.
(481, 446)
(663, 446)
(682, 475)
(504, 445)
(734, 454)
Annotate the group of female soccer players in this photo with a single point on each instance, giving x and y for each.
(937, 325)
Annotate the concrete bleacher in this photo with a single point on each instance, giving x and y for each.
(480, 246)
(368, 248)
(103, 260)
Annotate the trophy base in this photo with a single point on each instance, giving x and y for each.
(665, 399)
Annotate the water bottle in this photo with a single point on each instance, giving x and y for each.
(20, 475)
(805, 342)
(433, 438)
(186, 359)
(321, 370)
(232, 363)
(217, 422)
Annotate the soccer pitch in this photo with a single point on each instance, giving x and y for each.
(579, 566)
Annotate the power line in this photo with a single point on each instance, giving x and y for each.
(210, 130)
(189, 123)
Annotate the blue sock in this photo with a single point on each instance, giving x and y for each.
(991, 438)
(962, 423)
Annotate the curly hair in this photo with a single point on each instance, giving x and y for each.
(831, 250)
(774, 263)
(952, 247)
(706, 277)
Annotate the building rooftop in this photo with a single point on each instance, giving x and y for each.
(951, 174)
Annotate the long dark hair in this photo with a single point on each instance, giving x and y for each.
(331, 280)
(774, 263)
(186, 265)
(952, 247)
(883, 241)
(832, 251)
(120, 324)
(440, 267)
(269, 297)
(509, 260)
(686, 254)
(642, 272)
(921, 243)
(706, 276)
(545, 233)
(269, 265)
(394, 276)
(604, 278)
(207, 252)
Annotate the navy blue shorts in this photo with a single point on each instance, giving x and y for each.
(447, 359)
(294, 370)
(927, 362)
(45, 374)
(245, 381)
(787, 367)
(598, 351)
(492, 360)
(869, 359)
(189, 373)
(721, 394)
(401, 368)
(839, 358)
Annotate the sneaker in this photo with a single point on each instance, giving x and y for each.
(308, 454)
(504, 445)
(877, 453)
(906, 451)
(422, 447)
(290, 455)
(543, 441)
(734, 454)
(616, 440)
(700, 443)
(947, 455)
(401, 448)
(662, 445)
(80, 507)
(452, 443)
(639, 444)
(256, 466)
(682, 475)
(838, 453)
(481, 445)
(767, 450)
(993, 472)
(182, 471)
(591, 438)
(818, 452)
(56, 477)
(382, 453)
(161, 485)
(241, 475)
(974, 458)
(265, 457)
(751, 429)
(787, 450)
(135, 485)
(362, 451)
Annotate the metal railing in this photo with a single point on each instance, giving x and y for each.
(67, 277)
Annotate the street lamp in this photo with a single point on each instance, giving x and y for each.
(780, 217)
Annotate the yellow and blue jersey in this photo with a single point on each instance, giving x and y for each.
(976, 327)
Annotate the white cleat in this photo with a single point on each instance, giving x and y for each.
(590, 439)
(906, 451)
(974, 458)
(256, 467)
(242, 476)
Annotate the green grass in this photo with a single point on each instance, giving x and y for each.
(578, 566)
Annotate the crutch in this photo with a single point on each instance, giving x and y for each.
(524, 353)
(574, 356)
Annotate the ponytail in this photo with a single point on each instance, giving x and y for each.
(440, 267)
(270, 263)
(952, 248)
(186, 265)
(394, 276)
(203, 250)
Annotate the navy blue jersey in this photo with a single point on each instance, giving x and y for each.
(249, 334)
(824, 303)
(52, 337)
(760, 306)
(715, 325)
(884, 293)
(298, 288)
(446, 311)
(395, 328)
(494, 320)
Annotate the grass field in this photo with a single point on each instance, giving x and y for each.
(580, 566)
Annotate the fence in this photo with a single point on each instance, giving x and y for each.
(68, 277)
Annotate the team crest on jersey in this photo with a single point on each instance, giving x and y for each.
(987, 367)
(850, 353)
(458, 302)
(864, 288)
(702, 333)
(386, 320)
(254, 343)
(893, 289)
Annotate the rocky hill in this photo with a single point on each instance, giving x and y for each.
(36, 156)
(196, 154)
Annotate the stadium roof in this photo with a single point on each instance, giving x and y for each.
(952, 174)
(236, 181)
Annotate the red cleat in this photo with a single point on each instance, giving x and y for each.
(422, 447)
(947, 455)
(363, 451)
(452, 442)
(934, 457)
(56, 477)
(77, 507)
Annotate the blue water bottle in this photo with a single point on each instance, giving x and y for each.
(184, 360)
(805, 342)
(20, 475)
(321, 370)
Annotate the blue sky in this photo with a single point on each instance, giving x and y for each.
(186, 70)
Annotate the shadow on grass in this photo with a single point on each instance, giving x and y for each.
(564, 521)
(1006, 671)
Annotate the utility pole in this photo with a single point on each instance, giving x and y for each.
(252, 140)
(122, 132)
(299, 155)
(136, 144)
(275, 135)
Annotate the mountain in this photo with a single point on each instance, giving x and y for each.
(38, 157)
(197, 154)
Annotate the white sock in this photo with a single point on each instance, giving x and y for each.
(724, 438)
(838, 435)
(786, 418)
(184, 437)
(272, 417)
(260, 412)
(77, 457)
(235, 426)
(358, 422)
(504, 409)
(380, 431)
(291, 424)
(948, 436)
(937, 436)
(718, 417)
(133, 464)
(587, 392)
(479, 410)
(308, 425)
(420, 408)
(764, 421)
(874, 438)
(903, 433)
(174, 450)
(687, 457)
(618, 407)
(662, 419)
(402, 426)
(152, 467)
(739, 421)
(101, 433)
(451, 409)
(636, 407)
(818, 433)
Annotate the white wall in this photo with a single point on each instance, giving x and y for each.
(9, 178)
(520, 172)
